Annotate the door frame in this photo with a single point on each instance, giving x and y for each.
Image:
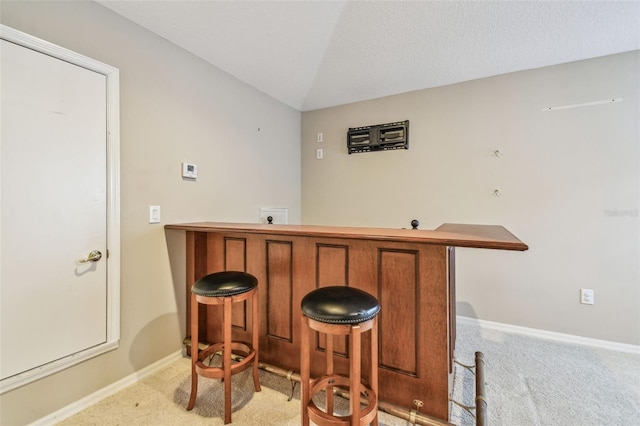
(112, 200)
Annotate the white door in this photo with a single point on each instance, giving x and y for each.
(54, 296)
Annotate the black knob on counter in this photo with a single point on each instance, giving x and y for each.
(415, 224)
(270, 220)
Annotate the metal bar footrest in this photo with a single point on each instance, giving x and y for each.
(480, 414)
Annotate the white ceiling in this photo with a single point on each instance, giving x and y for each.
(316, 54)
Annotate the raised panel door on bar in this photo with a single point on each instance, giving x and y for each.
(414, 326)
(332, 268)
(215, 253)
(235, 259)
(277, 314)
(279, 286)
(197, 267)
(399, 293)
(224, 254)
(340, 262)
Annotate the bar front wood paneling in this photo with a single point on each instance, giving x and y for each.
(279, 286)
(411, 272)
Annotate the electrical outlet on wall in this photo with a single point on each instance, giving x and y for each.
(587, 296)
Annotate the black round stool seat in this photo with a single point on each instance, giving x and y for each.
(224, 284)
(340, 305)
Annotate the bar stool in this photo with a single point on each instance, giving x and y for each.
(224, 288)
(339, 310)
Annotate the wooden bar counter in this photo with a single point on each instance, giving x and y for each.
(411, 272)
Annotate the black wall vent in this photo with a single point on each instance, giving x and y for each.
(380, 137)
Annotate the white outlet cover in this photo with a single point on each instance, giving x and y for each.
(587, 296)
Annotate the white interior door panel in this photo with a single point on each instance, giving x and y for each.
(57, 201)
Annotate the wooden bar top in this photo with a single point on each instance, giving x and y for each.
(448, 234)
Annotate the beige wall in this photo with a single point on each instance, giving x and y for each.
(174, 107)
(568, 181)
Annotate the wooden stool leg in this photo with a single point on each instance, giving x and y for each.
(255, 300)
(354, 374)
(304, 369)
(226, 359)
(374, 365)
(329, 364)
(194, 351)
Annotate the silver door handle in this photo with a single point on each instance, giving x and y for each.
(94, 256)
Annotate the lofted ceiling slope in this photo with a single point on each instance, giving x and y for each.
(318, 54)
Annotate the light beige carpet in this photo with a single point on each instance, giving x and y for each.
(160, 400)
(529, 382)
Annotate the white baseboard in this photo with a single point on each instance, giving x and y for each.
(551, 335)
(99, 395)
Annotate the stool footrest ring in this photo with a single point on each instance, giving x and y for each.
(242, 348)
(319, 416)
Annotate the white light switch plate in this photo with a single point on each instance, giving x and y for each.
(154, 214)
